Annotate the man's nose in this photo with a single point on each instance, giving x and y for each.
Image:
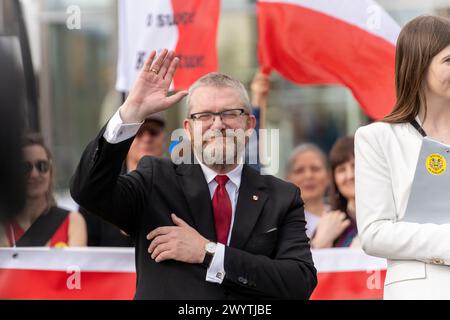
(217, 123)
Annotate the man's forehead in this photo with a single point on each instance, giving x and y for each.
(215, 97)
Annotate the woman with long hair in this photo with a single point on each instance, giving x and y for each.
(337, 228)
(386, 155)
(41, 222)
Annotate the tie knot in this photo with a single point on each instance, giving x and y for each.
(221, 180)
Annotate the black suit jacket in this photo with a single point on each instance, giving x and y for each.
(101, 233)
(258, 263)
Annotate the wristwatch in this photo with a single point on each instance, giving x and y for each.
(210, 249)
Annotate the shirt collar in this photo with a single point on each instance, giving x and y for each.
(234, 175)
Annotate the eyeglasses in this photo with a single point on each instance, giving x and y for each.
(154, 132)
(151, 126)
(42, 166)
(227, 116)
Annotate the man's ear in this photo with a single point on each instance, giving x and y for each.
(251, 122)
(187, 128)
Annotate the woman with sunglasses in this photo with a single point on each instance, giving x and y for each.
(41, 222)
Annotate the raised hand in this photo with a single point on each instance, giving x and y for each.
(149, 92)
(260, 88)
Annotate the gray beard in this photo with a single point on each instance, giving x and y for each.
(221, 164)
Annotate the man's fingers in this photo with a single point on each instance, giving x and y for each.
(177, 97)
(166, 65)
(179, 222)
(171, 70)
(149, 62)
(166, 255)
(159, 62)
(159, 249)
(158, 232)
(157, 241)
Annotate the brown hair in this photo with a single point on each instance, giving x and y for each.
(35, 139)
(419, 41)
(342, 151)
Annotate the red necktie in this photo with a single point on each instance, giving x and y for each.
(222, 210)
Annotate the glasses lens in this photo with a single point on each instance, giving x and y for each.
(27, 167)
(42, 166)
(204, 117)
(151, 129)
(154, 132)
(231, 114)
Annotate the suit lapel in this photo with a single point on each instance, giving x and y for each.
(251, 200)
(197, 195)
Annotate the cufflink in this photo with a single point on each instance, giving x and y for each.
(243, 280)
(219, 275)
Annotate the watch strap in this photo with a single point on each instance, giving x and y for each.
(207, 261)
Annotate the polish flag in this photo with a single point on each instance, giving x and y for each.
(189, 27)
(109, 274)
(332, 42)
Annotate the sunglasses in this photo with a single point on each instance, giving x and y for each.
(154, 132)
(42, 166)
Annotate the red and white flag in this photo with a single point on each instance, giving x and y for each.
(346, 42)
(109, 273)
(189, 27)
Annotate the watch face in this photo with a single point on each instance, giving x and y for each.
(211, 247)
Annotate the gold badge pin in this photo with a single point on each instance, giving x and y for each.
(255, 198)
(436, 164)
(60, 245)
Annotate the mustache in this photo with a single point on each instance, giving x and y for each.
(224, 133)
(217, 133)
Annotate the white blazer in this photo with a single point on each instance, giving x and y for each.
(418, 255)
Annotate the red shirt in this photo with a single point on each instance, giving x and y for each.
(59, 239)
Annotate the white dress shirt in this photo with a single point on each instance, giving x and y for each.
(216, 271)
(117, 131)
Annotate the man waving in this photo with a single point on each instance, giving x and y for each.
(211, 228)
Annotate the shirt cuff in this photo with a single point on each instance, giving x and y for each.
(216, 270)
(117, 131)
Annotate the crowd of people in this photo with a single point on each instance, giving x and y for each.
(41, 222)
(258, 247)
(326, 183)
